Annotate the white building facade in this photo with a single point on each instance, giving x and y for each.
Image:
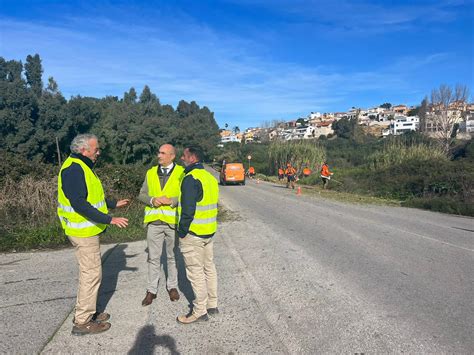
(402, 124)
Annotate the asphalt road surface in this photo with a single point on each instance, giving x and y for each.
(357, 278)
(297, 274)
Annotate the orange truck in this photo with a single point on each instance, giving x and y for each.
(232, 173)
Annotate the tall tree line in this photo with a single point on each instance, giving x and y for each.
(131, 128)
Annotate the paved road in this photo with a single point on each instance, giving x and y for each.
(358, 278)
(297, 274)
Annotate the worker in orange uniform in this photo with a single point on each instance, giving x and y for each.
(306, 172)
(251, 172)
(281, 174)
(290, 173)
(325, 174)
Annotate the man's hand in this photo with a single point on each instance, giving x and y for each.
(165, 200)
(123, 203)
(119, 222)
(156, 202)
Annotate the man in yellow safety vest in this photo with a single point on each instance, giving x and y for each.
(196, 228)
(82, 210)
(160, 194)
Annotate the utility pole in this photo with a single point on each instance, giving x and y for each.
(59, 154)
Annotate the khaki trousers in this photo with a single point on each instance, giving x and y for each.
(90, 275)
(198, 255)
(156, 235)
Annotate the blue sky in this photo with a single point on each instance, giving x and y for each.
(249, 61)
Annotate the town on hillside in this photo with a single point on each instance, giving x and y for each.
(382, 121)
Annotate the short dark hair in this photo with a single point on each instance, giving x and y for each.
(196, 151)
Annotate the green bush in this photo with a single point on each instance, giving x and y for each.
(28, 208)
(15, 166)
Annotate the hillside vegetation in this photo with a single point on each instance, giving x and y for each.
(37, 125)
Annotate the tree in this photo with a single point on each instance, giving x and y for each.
(18, 109)
(12, 70)
(146, 95)
(184, 109)
(33, 73)
(236, 129)
(297, 153)
(446, 109)
(345, 127)
(414, 111)
(422, 111)
(130, 130)
(130, 97)
(52, 87)
(386, 105)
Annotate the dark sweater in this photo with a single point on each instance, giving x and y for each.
(75, 188)
(191, 194)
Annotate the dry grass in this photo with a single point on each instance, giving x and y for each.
(341, 196)
(29, 218)
(396, 153)
(29, 201)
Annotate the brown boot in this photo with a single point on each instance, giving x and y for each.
(174, 295)
(191, 318)
(91, 327)
(149, 297)
(98, 317)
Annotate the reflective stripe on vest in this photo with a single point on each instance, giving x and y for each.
(70, 209)
(73, 223)
(204, 220)
(205, 216)
(205, 208)
(165, 214)
(162, 211)
(80, 225)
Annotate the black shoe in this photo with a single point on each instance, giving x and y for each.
(213, 311)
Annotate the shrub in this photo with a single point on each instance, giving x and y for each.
(28, 209)
(397, 152)
(298, 153)
(14, 167)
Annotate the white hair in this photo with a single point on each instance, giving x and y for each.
(81, 141)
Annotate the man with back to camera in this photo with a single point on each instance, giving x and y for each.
(196, 228)
(82, 209)
(160, 193)
(325, 174)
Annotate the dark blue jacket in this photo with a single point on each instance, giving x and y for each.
(191, 194)
(75, 189)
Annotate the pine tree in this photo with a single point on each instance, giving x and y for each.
(33, 73)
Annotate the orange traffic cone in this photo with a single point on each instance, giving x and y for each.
(298, 191)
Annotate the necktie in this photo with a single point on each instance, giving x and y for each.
(165, 171)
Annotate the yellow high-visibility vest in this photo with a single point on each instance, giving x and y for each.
(205, 217)
(73, 223)
(172, 189)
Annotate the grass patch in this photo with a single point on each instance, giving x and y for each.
(341, 196)
(51, 236)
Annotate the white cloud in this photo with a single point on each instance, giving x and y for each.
(223, 72)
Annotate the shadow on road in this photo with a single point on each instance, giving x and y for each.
(183, 283)
(114, 261)
(147, 341)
